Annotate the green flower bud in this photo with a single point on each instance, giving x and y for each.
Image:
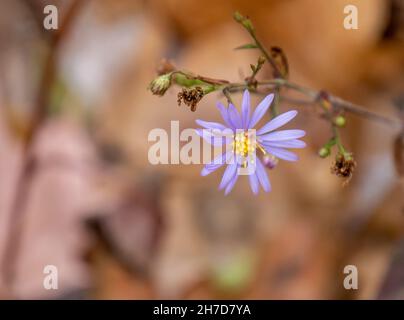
(247, 24)
(243, 20)
(238, 16)
(160, 85)
(324, 152)
(340, 121)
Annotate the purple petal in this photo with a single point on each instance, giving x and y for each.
(234, 116)
(245, 109)
(282, 135)
(261, 109)
(231, 185)
(282, 153)
(210, 125)
(225, 114)
(277, 122)
(262, 176)
(254, 183)
(208, 170)
(209, 136)
(285, 144)
(228, 174)
(214, 164)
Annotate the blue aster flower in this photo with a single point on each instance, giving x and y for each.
(246, 146)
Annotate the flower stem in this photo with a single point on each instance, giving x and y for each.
(274, 107)
(186, 79)
(338, 143)
(265, 52)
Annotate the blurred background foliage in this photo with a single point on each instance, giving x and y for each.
(77, 191)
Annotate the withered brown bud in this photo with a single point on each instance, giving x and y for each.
(252, 82)
(279, 57)
(324, 100)
(343, 166)
(190, 97)
(165, 66)
(261, 60)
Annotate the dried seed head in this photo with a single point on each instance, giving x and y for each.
(343, 166)
(190, 97)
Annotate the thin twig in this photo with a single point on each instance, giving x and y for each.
(266, 54)
(338, 103)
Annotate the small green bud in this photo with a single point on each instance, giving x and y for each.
(238, 16)
(247, 24)
(235, 273)
(340, 121)
(160, 85)
(324, 152)
(244, 21)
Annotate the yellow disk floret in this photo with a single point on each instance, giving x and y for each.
(243, 144)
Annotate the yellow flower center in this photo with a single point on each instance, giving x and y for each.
(243, 144)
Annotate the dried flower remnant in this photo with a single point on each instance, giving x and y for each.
(324, 100)
(344, 163)
(280, 60)
(165, 66)
(190, 97)
(344, 166)
(241, 148)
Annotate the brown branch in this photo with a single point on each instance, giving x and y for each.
(17, 212)
(338, 103)
(211, 80)
(362, 112)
